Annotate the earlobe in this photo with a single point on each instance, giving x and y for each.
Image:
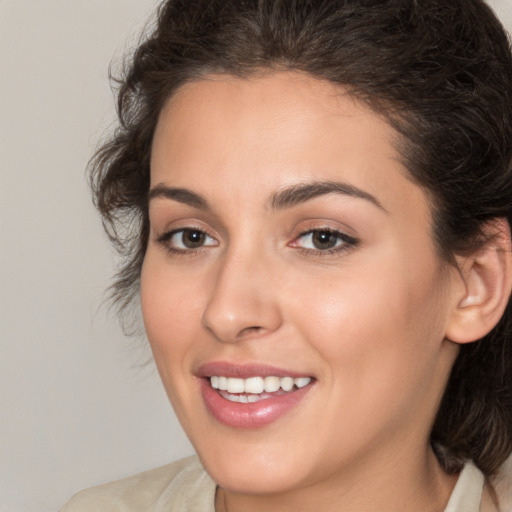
(487, 278)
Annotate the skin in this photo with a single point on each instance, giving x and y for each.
(368, 321)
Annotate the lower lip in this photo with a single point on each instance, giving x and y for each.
(250, 415)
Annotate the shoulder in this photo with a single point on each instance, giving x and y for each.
(475, 493)
(183, 485)
(502, 485)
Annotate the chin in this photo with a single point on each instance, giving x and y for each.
(253, 480)
(254, 473)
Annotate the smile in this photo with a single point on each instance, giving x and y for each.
(254, 389)
(251, 396)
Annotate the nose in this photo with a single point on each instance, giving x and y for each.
(243, 301)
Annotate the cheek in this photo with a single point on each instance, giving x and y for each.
(378, 330)
(349, 323)
(379, 356)
(172, 314)
(169, 308)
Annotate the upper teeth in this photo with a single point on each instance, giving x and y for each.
(256, 385)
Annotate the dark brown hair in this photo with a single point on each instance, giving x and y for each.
(440, 71)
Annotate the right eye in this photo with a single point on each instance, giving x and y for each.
(187, 239)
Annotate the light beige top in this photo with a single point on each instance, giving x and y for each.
(184, 486)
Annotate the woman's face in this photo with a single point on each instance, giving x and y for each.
(289, 250)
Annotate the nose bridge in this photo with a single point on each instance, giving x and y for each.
(242, 302)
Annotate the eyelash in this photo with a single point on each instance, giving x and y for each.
(166, 239)
(344, 242)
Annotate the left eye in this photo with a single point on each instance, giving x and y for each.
(322, 240)
(187, 239)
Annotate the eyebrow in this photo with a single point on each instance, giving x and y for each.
(297, 194)
(285, 198)
(181, 195)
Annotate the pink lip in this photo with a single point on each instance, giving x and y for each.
(244, 371)
(250, 415)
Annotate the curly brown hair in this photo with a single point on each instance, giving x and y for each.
(440, 71)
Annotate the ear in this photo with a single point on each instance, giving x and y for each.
(487, 285)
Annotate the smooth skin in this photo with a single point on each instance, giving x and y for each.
(345, 286)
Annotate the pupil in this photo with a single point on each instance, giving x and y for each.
(193, 239)
(324, 239)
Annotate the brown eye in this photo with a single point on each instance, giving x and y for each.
(323, 240)
(187, 239)
(192, 238)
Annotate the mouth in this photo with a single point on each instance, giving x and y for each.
(254, 389)
(251, 396)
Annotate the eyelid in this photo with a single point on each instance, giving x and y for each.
(166, 237)
(347, 241)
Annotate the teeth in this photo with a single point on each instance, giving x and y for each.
(256, 385)
(243, 399)
(272, 384)
(287, 383)
(223, 383)
(235, 385)
(302, 381)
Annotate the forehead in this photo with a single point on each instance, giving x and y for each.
(293, 105)
(272, 131)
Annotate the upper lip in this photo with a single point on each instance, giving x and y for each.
(244, 371)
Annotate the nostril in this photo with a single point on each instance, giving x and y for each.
(255, 329)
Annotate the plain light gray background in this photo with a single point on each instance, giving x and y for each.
(77, 406)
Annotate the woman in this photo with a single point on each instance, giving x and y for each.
(313, 199)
